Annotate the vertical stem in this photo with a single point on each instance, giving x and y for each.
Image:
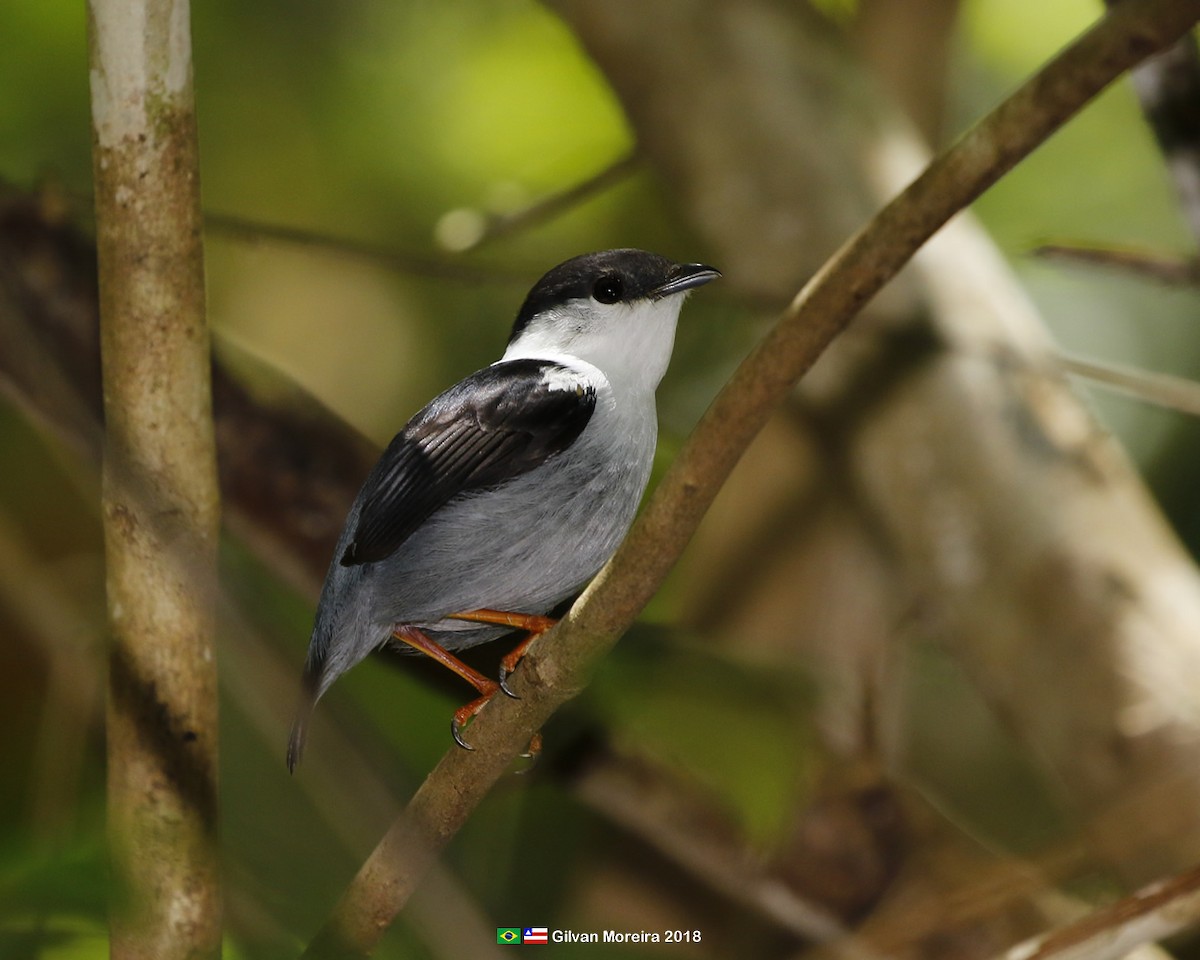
(160, 499)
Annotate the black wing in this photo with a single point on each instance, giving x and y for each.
(493, 426)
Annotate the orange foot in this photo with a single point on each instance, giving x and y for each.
(533, 624)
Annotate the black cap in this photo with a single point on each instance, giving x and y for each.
(611, 276)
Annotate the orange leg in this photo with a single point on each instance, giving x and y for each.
(534, 624)
(487, 688)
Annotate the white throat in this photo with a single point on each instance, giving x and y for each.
(629, 343)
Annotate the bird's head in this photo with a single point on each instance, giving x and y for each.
(615, 309)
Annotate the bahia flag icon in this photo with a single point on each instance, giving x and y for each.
(508, 934)
(535, 935)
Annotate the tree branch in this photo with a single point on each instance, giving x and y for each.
(1172, 271)
(556, 204)
(402, 261)
(160, 500)
(1161, 389)
(1153, 913)
(558, 664)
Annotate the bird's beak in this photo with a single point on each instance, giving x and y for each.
(685, 276)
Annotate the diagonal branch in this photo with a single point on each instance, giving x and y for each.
(1173, 271)
(1161, 389)
(556, 204)
(557, 666)
(1153, 913)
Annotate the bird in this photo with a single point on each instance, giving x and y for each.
(505, 495)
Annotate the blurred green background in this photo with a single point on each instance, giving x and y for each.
(402, 124)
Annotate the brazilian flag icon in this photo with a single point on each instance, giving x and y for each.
(508, 934)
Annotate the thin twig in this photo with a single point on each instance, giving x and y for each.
(430, 265)
(556, 204)
(1154, 912)
(252, 231)
(558, 665)
(1160, 389)
(416, 264)
(1174, 271)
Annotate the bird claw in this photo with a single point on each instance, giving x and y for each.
(464, 715)
(533, 751)
(505, 673)
(456, 726)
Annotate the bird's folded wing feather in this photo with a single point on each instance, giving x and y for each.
(495, 425)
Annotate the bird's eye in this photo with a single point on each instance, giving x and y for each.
(608, 289)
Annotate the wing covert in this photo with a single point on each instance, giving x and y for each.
(495, 425)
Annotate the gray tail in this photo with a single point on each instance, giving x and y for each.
(304, 711)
